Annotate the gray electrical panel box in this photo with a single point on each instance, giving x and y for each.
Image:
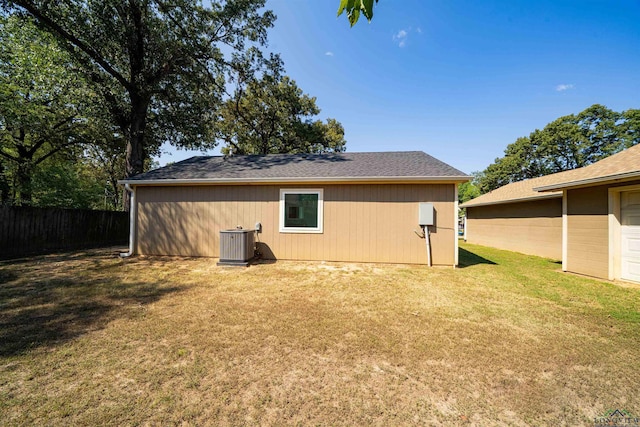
(425, 214)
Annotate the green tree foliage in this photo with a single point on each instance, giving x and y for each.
(568, 142)
(353, 9)
(42, 105)
(68, 183)
(273, 115)
(108, 164)
(630, 126)
(467, 191)
(161, 67)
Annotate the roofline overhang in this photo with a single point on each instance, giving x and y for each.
(522, 199)
(589, 181)
(305, 180)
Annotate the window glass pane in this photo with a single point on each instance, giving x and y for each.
(301, 210)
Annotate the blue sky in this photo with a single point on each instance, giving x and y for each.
(457, 79)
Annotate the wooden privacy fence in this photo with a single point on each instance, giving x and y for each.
(25, 230)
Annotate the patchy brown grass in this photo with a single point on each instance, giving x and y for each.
(88, 338)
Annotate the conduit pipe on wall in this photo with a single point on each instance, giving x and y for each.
(426, 235)
(132, 221)
(427, 238)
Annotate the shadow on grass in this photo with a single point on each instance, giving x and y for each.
(42, 304)
(468, 259)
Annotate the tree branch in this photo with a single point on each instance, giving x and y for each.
(55, 150)
(92, 53)
(40, 142)
(166, 69)
(8, 156)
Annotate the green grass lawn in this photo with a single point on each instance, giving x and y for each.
(507, 339)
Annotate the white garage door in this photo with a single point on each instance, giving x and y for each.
(630, 235)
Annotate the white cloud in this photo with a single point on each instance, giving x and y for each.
(401, 37)
(562, 88)
(328, 53)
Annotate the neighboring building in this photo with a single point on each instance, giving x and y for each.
(517, 218)
(335, 207)
(599, 213)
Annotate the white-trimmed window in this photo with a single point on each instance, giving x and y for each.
(301, 210)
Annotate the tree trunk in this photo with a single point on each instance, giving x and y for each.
(115, 194)
(135, 146)
(24, 170)
(23, 175)
(5, 188)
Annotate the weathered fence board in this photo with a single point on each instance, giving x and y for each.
(25, 230)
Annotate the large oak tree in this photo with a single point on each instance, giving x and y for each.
(161, 66)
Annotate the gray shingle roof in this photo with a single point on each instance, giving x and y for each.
(406, 164)
(519, 191)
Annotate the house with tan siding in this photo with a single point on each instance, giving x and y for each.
(597, 208)
(360, 207)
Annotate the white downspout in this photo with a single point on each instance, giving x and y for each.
(132, 221)
(464, 226)
(565, 230)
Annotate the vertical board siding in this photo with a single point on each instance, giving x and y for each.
(533, 228)
(362, 223)
(27, 230)
(588, 231)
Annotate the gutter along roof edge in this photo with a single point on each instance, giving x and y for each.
(381, 179)
(587, 181)
(505, 201)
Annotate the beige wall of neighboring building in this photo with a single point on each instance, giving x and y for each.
(592, 222)
(362, 223)
(588, 231)
(533, 227)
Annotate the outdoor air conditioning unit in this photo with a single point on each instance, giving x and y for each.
(236, 247)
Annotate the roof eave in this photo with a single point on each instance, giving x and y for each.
(504, 202)
(589, 181)
(358, 179)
